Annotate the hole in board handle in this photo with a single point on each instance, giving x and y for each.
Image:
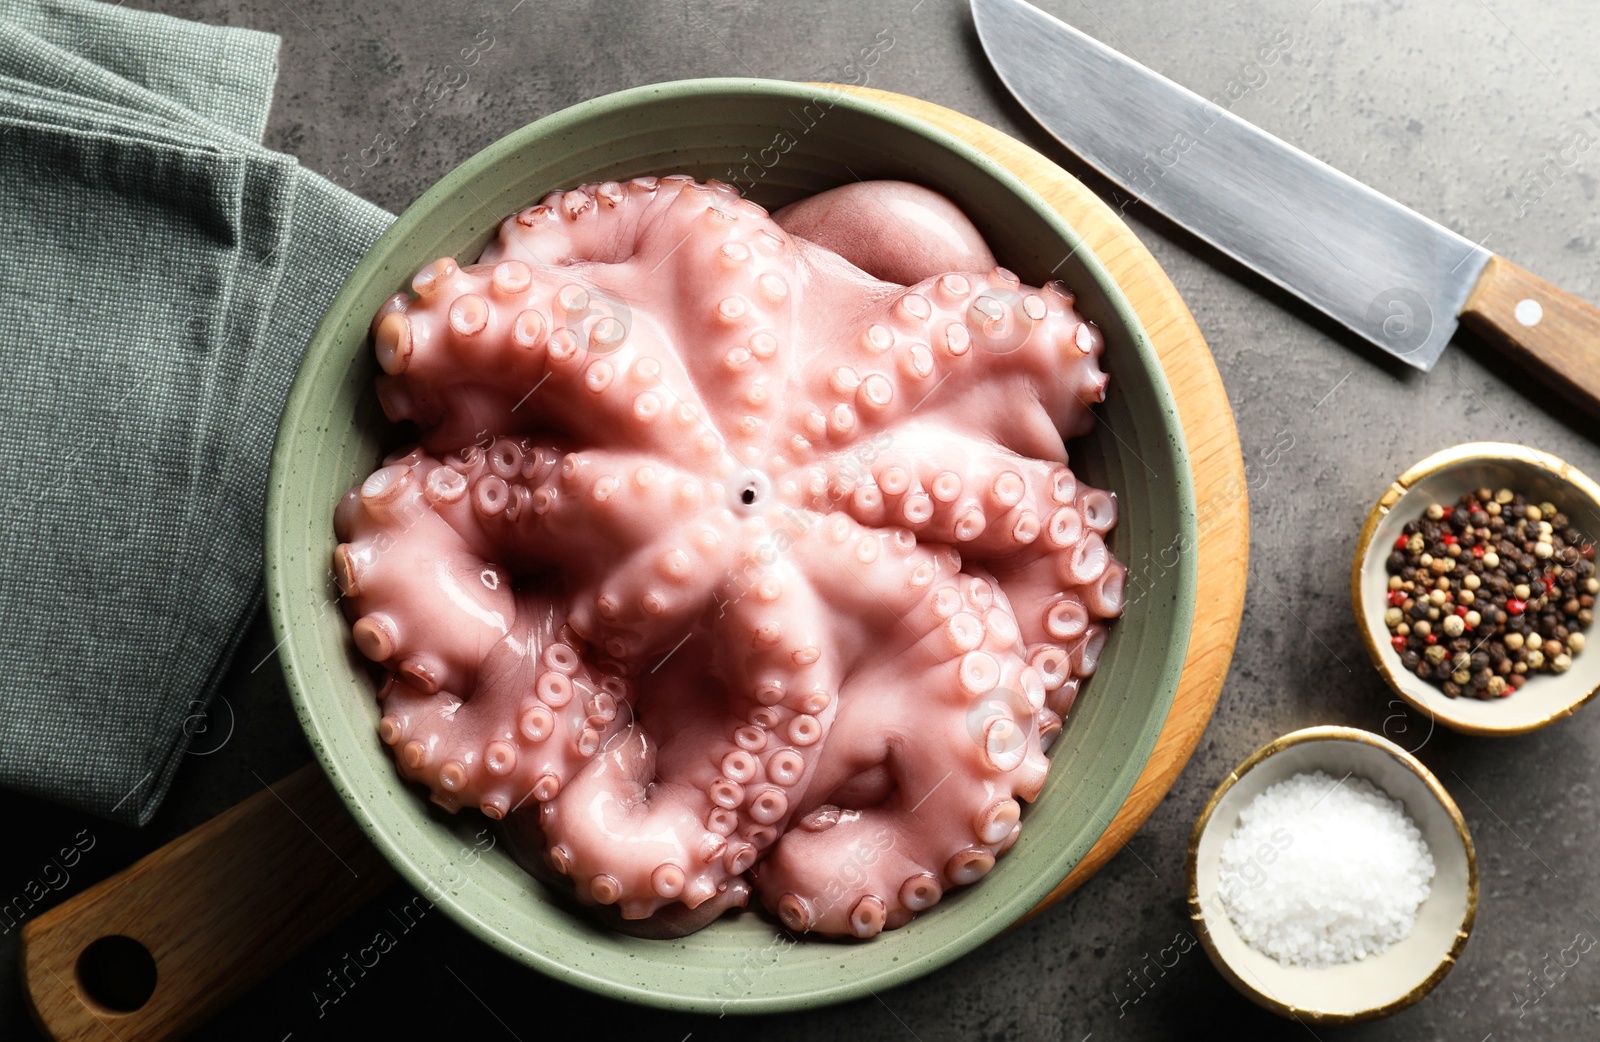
(117, 973)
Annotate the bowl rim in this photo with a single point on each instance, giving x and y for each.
(1457, 455)
(299, 681)
(1323, 733)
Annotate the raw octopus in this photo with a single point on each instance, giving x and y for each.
(723, 565)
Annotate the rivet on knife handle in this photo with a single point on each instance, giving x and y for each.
(155, 950)
(1540, 326)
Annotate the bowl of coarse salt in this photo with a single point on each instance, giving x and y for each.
(1332, 878)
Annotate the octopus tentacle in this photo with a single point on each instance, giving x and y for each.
(535, 716)
(912, 798)
(985, 500)
(979, 328)
(600, 371)
(872, 576)
(715, 790)
(783, 667)
(424, 601)
(657, 594)
(605, 222)
(675, 231)
(627, 839)
(1059, 595)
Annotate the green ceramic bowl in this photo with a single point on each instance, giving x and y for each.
(333, 433)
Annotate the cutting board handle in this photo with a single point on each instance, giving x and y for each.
(1539, 326)
(154, 951)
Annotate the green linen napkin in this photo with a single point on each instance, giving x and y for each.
(161, 274)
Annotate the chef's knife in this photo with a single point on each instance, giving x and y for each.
(1390, 274)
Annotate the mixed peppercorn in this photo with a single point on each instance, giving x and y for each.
(1485, 594)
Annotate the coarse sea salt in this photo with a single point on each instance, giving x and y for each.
(1321, 871)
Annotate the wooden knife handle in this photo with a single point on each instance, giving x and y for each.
(1539, 326)
(217, 910)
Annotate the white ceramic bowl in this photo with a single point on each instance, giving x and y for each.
(1444, 478)
(1379, 984)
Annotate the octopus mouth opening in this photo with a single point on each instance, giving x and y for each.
(751, 491)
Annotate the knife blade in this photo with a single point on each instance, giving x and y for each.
(1386, 272)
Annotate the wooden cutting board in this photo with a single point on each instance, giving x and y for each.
(215, 941)
(1220, 492)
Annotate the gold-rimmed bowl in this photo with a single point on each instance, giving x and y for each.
(1444, 478)
(1380, 984)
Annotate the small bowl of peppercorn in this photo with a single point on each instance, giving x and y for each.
(1474, 587)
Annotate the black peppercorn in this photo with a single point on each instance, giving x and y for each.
(1480, 584)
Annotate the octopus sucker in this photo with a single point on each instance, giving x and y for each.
(739, 555)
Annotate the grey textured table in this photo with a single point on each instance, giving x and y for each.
(1461, 110)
